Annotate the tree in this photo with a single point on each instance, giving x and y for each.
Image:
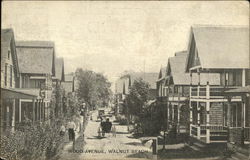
(93, 88)
(149, 115)
(137, 97)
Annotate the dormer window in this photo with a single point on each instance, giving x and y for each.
(8, 54)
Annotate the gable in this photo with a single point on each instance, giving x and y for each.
(219, 47)
(8, 44)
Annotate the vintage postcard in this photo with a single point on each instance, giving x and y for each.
(85, 80)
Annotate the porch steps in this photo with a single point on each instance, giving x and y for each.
(240, 156)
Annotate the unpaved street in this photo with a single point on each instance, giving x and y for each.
(111, 147)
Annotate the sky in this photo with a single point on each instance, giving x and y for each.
(111, 37)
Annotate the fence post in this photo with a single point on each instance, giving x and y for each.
(154, 148)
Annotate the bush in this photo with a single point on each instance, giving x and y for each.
(30, 141)
(121, 119)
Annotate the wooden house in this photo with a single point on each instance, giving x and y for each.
(10, 74)
(239, 137)
(175, 86)
(58, 90)
(37, 67)
(223, 50)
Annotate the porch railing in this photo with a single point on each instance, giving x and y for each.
(209, 91)
(209, 133)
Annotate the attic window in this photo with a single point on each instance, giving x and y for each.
(8, 54)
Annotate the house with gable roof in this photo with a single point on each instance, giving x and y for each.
(223, 50)
(37, 67)
(10, 76)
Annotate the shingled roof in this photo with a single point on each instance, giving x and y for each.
(151, 78)
(7, 42)
(60, 69)
(221, 47)
(176, 65)
(37, 57)
(162, 74)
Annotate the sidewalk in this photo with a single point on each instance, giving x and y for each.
(67, 153)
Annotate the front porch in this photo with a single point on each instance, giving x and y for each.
(218, 122)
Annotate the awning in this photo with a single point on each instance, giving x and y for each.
(13, 94)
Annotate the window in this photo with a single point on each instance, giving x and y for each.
(222, 79)
(5, 74)
(234, 78)
(8, 54)
(10, 75)
(175, 89)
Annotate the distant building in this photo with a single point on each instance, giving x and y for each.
(124, 82)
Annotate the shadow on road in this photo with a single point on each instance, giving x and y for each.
(134, 144)
(96, 137)
(144, 155)
(122, 132)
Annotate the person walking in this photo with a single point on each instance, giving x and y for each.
(113, 130)
(71, 130)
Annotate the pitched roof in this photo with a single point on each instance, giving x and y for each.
(222, 47)
(69, 77)
(162, 74)
(60, 69)
(8, 41)
(36, 57)
(180, 77)
(151, 78)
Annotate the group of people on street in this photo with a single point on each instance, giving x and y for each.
(106, 127)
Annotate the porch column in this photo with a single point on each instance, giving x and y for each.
(190, 103)
(208, 122)
(178, 113)
(168, 115)
(228, 118)
(173, 106)
(33, 111)
(243, 120)
(243, 77)
(178, 118)
(40, 109)
(198, 120)
(198, 113)
(7, 115)
(199, 83)
(13, 115)
(20, 110)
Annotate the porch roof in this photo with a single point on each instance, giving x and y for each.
(245, 89)
(15, 94)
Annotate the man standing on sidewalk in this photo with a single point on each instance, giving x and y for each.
(71, 130)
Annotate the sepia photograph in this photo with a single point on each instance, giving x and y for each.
(125, 80)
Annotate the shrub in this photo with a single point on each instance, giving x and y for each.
(31, 141)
